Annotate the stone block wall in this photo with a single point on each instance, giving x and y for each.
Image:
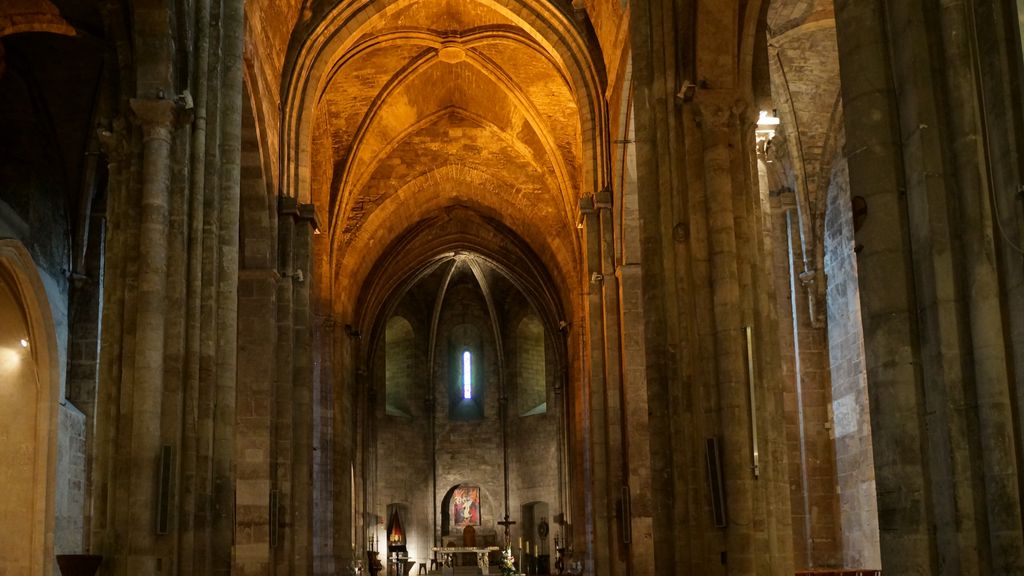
(530, 382)
(533, 438)
(806, 401)
(854, 459)
(71, 474)
(469, 452)
(407, 451)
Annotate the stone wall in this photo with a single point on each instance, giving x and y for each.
(469, 452)
(466, 451)
(533, 436)
(807, 393)
(71, 477)
(850, 405)
(402, 445)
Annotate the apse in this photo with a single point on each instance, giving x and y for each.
(466, 409)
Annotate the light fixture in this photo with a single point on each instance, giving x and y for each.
(24, 342)
(767, 123)
(767, 118)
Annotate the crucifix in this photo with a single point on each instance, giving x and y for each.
(507, 524)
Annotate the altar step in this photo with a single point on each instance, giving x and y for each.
(467, 571)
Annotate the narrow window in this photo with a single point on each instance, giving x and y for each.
(467, 378)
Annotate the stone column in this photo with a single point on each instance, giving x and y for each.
(143, 424)
(103, 466)
(895, 387)
(718, 122)
(596, 476)
(294, 392)
(282, 473)
(232, 29)
(615, 419)
(995, 33)
(302, 399)
(989, 346)
(937, 352)
(196, 494)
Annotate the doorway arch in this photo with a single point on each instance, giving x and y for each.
(29, 376)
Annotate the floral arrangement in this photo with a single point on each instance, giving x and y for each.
(508, 562)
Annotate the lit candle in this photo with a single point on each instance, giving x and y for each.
(520, 543)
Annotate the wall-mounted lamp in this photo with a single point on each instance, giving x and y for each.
(687, 90)
(24, 342)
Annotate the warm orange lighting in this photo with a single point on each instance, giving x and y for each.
(10, 360)
(24, 343)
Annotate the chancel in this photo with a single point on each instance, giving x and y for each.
(463, 287)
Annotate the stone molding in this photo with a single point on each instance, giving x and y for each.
(156, 116)
(114, 142)
(724, 108)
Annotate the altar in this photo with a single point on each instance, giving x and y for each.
(482, 554)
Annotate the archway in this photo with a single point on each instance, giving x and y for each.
(29, 385)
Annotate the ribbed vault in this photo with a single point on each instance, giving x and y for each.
(403, 108)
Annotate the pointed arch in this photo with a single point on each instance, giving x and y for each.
(20, 278)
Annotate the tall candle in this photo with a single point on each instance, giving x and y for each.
(520, 542)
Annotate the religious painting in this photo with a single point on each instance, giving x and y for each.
(466, 506)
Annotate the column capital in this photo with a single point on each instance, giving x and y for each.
(308, 213)
(723, 108)
(603, 199)
(286, 205)
(584, 209)
(156, 116)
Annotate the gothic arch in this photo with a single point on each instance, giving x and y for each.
(19, 276)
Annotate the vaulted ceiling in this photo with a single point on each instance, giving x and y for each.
(804, 63)
(442, 104)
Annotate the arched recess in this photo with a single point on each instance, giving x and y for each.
(399, 366)
(463, 505)
(536, 530)
(478, 263)
(29, 390)
(531, 390)
(39, 16)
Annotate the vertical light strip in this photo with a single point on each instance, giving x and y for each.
(753, 399)
(467, 378)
